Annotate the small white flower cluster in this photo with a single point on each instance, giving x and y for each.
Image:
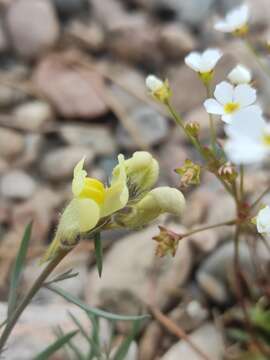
(234, 101)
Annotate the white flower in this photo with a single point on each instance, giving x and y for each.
(240, 75)
(203, 62)
(159, 89)
(235, 21)
(263, 220)
(249, 137)
(230, 100)
(153, 83)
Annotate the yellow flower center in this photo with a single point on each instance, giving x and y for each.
(266, 139)
(231, 107)
(242, 31)
(93, 189)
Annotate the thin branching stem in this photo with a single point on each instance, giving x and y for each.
(213, 133)
(257, 201)
(208, 227)
(12, 320)
(177, 331)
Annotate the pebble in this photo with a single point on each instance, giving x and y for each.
(183, 81)
(216, 271)
(11, 143)
(176, 41)
(34, 332)
(74, 91)
(67, 9)
(32, 26)
(98, 138)
(140, 272)
(207, 338)
(151, 127)
(59, 164)
(3, 38)
(17, 184)
(32, 116)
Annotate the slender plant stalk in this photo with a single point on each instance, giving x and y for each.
(242, 175)
(204, 228)
(213, 133)
(257, 57)
(176, 330)
(179, 121)
(12, 320)
(257, 201)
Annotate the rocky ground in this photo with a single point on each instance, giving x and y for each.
(72, 84)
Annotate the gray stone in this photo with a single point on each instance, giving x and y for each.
(151, 127)
(74, 91)
(17, 184)
(59, 164)
(11, 143)
(70, 8)
(32, 115)
(176, 41)
(33, 27)
(139, 269)
(207, 338)
(3, 38)
(99, 138)
(34, 331)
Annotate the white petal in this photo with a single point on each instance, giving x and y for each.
(224, 92)
(244, 94)
(223, 26)
(213, 107)
(240, 75)
(193, 60)
(242, 150)
(153, 83)
(227, 118)
(210, 57)
(247, 122)
(263, 220)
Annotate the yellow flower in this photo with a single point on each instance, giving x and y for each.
(142, 172)
(91, 202)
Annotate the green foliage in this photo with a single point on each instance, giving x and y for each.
(98, 252)
(17, 269)
(55, 346)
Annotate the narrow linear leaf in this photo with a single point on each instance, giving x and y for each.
(124, 347)
(98, 252)
(92, 310)
(17, 268)
(58, 344)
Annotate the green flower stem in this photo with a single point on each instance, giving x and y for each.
(12, 320)
(242, 175)
(208, 227)
(213, 133)
(179, 121)
(257, 201)
(257, 57)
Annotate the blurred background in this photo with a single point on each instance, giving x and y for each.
(72, 78)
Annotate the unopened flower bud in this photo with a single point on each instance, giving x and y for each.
(190, 173)
(192, 128)
(167, 242)
(158, 201)
(228, 172)
(159, 89)
(240, 75)
(142, 172)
